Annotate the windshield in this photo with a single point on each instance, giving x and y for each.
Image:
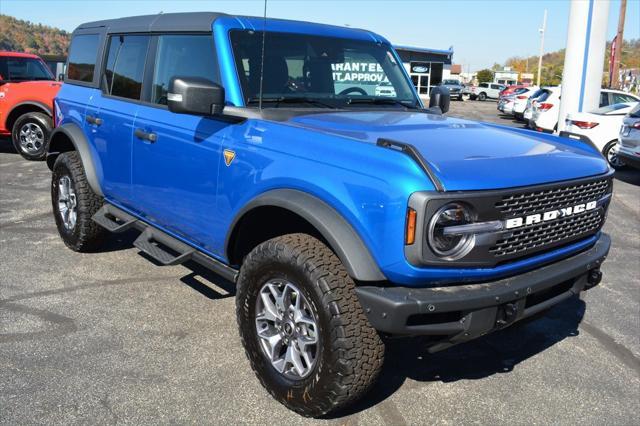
(451, 82)
(14, 68)
(315, 71)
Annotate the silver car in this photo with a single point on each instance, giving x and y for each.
(629, 139)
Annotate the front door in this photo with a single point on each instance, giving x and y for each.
(176, 156)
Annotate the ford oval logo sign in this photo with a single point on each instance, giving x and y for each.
(420, 68)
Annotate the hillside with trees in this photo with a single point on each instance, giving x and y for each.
(25, 36)
(553, 63)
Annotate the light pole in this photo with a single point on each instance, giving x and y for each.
(615, 77)
(542, 30)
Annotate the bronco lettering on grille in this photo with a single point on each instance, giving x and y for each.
(550, 215)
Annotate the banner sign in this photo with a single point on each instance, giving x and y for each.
(361, 72)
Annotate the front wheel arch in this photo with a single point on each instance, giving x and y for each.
(325, 223)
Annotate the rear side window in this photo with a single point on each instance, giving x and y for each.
(544, 96)
(484, 85)
(182, 56)
(82, 57)
(125, 65)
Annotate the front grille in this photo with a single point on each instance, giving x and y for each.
(525, 203)
(543, 234)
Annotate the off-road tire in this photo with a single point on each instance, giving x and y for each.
(86, 235)
(351, 352)
(43, 121)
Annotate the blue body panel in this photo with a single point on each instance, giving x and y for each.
(182, 185)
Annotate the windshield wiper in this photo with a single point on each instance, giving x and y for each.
(291, 100)
(381, 101)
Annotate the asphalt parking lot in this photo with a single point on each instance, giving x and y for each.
(108, 337)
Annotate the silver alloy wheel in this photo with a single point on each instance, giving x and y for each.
(612, 157)
(287, 329)
(67, 202)
(31, 138)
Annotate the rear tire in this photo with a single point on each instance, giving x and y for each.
(612, 157)
(30, 135)
(349, 353)
(74, 203)
(482, 96)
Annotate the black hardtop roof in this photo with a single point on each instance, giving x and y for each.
(188, 21)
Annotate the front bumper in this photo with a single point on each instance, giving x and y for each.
(463, 312)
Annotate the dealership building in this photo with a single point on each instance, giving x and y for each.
(427, 67)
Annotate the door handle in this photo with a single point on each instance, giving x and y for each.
(94, 120)
(149, 136)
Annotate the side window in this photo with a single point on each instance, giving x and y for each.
(82, 57)
(125, 65)
(183, 56)
(604, 99)
(619, 98)
(484, 85)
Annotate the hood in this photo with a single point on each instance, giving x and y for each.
(466, 155)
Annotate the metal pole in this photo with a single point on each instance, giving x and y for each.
(615, 83)
(542, 30)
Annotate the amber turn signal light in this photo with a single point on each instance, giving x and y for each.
(410, 232)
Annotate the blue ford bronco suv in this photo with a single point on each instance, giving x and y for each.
(259, 149)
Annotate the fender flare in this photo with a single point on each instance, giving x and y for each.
(79, 141)
(37, 104)
(40, 105)
(340, 235)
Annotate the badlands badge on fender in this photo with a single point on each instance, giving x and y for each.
(228, 156)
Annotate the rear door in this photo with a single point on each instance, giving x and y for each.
(175, 176)
(77, 96)
(114, 111)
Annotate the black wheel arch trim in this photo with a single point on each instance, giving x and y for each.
(76, 136)
(40, 105)
(340, 235)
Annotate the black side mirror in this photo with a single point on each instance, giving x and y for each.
(195, 95)
(440, 98)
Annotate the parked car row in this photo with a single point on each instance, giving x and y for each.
(603, 127)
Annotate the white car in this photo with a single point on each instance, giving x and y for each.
(385, 89)
(516, 103)
(505, 104)
(547, 106)
(527, 115)
(545, 110)
(600, 128)
(520, 100)
(485, 91)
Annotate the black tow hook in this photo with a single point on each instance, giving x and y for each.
(594, 278)
(507, 314)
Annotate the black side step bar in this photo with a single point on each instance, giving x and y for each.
(412, 152)
(113, 219)
(157, 244)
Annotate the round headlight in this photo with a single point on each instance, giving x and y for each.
(450, 246)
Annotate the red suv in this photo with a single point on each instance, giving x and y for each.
(27, 89)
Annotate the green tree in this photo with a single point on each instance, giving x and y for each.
(484, 76)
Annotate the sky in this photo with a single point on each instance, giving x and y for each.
(482, 32)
